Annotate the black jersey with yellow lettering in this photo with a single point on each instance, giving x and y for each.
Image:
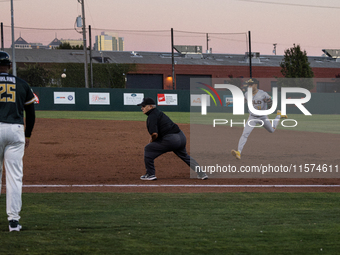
(15, 93)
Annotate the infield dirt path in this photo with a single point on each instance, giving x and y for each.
(84, 152)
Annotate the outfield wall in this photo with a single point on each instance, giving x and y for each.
(82, 99)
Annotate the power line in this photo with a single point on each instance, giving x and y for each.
(132, 31)
(101, 29)
(31, 28)
(204, 33)
(290, 4)
(226, 39)
(164, 33)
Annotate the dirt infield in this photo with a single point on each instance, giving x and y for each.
(87, 152)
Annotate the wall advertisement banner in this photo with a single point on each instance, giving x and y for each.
(99, 98)
(133, 98)
(64, 98)
(195, 100)
(167, 99)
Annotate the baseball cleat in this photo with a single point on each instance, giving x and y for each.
(14, 225)
(236, 154)
(282, 116)
(148, 177)
(203, 177)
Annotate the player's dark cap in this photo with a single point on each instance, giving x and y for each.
(147, 101)
(4, 59)
(252, 81)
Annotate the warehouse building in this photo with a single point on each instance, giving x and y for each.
(154, 69)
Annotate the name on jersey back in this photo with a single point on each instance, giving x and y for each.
(7, 79)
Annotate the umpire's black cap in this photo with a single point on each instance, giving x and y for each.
(147, 101)
(4, 59)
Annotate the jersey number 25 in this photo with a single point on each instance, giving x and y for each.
(8, 89)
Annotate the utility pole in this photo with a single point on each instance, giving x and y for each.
(208, 43)
(91, 67)
(173, 58)
(14, 65)
(2, 36)
(250, 55)
(84, 43)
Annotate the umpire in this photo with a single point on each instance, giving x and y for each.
(15, 97)
(165, 136)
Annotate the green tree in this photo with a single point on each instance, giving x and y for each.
(104, 75)
(296, 68)
(111, 75)
(67, 46)
(35, 75)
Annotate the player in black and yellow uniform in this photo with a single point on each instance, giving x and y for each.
(16, 96)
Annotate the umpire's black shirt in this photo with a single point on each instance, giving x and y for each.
(161, 124)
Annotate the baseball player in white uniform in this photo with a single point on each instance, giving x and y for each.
(16, 97)
(261, 100)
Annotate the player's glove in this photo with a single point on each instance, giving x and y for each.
(269, 102)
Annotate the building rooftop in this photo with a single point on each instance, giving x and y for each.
(20, 40)
(56, 42)
(128, 57)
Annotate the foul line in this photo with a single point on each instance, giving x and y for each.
(177, 185)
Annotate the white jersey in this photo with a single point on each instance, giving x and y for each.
(258, 100)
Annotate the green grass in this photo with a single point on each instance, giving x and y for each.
(157, 223)
(314, 123)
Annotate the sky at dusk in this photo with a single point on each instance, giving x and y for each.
(145, 24)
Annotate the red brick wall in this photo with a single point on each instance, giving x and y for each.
(219, 71)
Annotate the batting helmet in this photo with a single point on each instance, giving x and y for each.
(4, 59)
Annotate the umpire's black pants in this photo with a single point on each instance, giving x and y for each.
(171, 142)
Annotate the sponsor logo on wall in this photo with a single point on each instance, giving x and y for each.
(167, 99)
(133, 98)
(64, 98)
(195, 100)
(99, 98)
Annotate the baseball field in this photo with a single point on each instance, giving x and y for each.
(82, 193)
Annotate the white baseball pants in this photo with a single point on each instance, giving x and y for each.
(269, 125)
(12, 147)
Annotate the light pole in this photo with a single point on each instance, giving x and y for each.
(84, 43)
